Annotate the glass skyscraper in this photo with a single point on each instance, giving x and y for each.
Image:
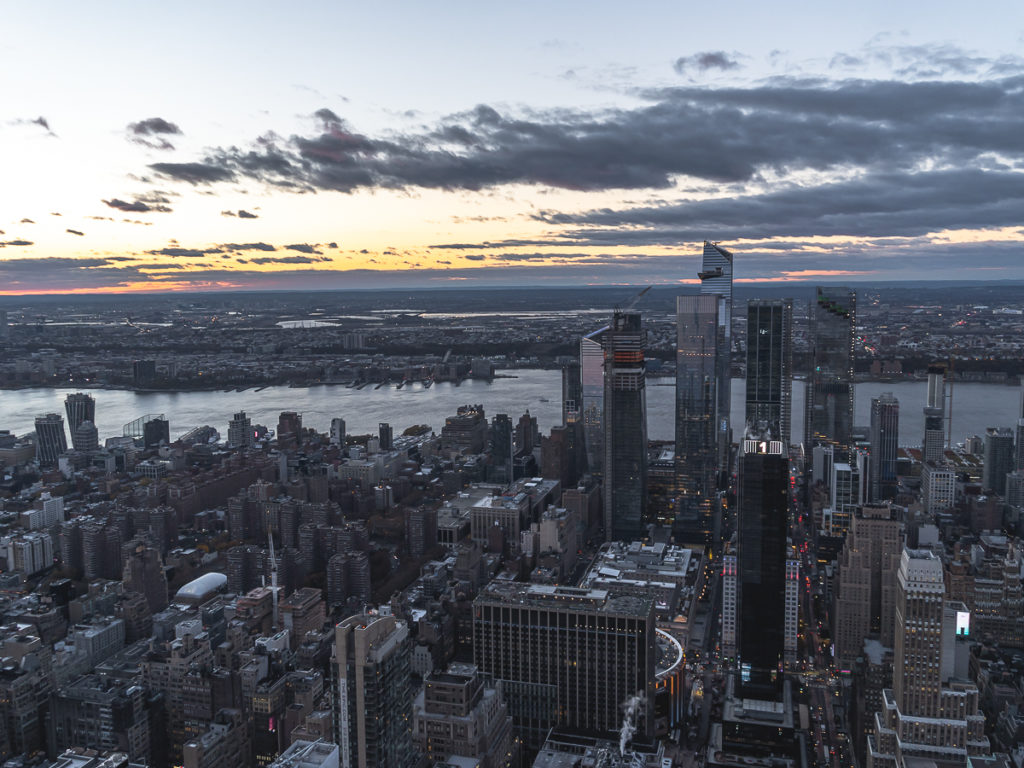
(716, 280)
(885, 436)
(770, 366)
(696, 457)
(625, 427)
(592, 389)
(829, 407)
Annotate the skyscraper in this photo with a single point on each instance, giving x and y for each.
(934, 443)
(998, 459)
(240, 432)
(572, 392)
(829, 419)
(885, 425)
(592, 390)
(372, 701)
(716, 280)
(51, 441)
(79, 407)
(566, 655)
(932, 710)
(696, 454)
(770, 366)
(761, 555)
(625, 427)
(502, 452)
(386, 435)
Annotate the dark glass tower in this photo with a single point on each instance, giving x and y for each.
(763, 508)
(572, 392)
(933, 446)
(592, 390)
(697, 353)
(885, 426)
(716, 280)
(770, 366)
(829, 420)
(625, 427)
(502, 452)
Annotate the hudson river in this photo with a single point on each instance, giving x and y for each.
(976, 406)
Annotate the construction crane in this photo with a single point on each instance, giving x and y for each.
(633, 301)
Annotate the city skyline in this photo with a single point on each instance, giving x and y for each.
(876, 143)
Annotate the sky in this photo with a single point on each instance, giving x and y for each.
(338, 145)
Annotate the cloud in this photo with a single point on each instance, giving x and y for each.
(287, 259)
(184, 253)
(16, 242)
(150, 133)
(27, 221)
(139, 205)
(75, 232)
(302, 248)
(194, 173)
(706, 60)
(243, 214)
(248, 247)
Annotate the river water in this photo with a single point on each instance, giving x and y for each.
(976, 406)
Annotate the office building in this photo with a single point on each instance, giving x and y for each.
(865, 601)
(372, 701)
(716, 280)
(144, 574)
(572, 392)
(502, 452)
(761, 556)
(829, 404)
(568, 656)
(696, 446)
(51, 441)
(100, 713)
(625, 427)
(79, 407)
(338, 432)
(592, 390)
(938, 487)
(998, 459)
(386, 435)
(934, 444)
(458, 713)
(770, 367)
(885, 426)
(156, 431)
(240, 432)
(931, 712)
(466, 431)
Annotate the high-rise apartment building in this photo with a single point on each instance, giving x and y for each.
(592, 391)
(568, 656)
(938, 487)
(458, 713)
(240, 432)
(998, 459)
(716, 280)
(931, 712)
(829, 404)
(885, 426)
(338, 432)
(372, 701)
(386, 435)
(934, 444)
(770, 366)
(625, 427)
(761, 556)
(572, 392)
(866, 584)
(51, 441)
(79, 407)
(696, 454)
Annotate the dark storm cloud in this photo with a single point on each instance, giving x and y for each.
(140, 205)
(243, 214)
(75, 232)
(892, 204)
(735, 135)
(150, 133)
(706, 60)
(194, 173)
